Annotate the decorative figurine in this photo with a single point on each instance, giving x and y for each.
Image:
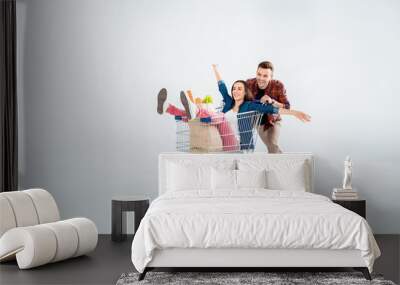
(347, 174)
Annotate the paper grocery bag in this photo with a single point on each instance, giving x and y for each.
(204, 137)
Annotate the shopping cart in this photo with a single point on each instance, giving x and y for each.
(218, 133)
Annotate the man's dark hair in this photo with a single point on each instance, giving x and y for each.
(266, 65)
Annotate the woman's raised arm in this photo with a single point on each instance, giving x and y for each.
(222, 87)
(216, 72)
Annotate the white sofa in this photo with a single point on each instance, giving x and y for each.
(32, 233)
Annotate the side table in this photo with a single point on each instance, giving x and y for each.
(122, 204)
(357, 206)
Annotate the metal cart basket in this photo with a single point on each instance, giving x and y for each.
(218, 133)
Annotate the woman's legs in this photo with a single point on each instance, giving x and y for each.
(171, 109)
(229, 141)
(228, 138)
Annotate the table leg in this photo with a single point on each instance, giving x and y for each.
(118, 222)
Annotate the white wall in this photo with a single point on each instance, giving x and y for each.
(90, 71)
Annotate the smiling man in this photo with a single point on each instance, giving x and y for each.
(271, 91)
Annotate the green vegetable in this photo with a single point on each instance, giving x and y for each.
(207, 99)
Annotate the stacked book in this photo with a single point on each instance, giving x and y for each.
(344, 194)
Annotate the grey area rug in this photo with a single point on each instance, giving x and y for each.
(225, 278)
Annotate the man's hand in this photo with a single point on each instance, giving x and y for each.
(302, 116)
(266, 99)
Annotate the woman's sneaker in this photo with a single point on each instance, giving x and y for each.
(185, 103)
(161, 98)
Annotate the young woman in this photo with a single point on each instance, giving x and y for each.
(242, 102)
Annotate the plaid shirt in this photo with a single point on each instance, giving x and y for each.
(276, 90)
